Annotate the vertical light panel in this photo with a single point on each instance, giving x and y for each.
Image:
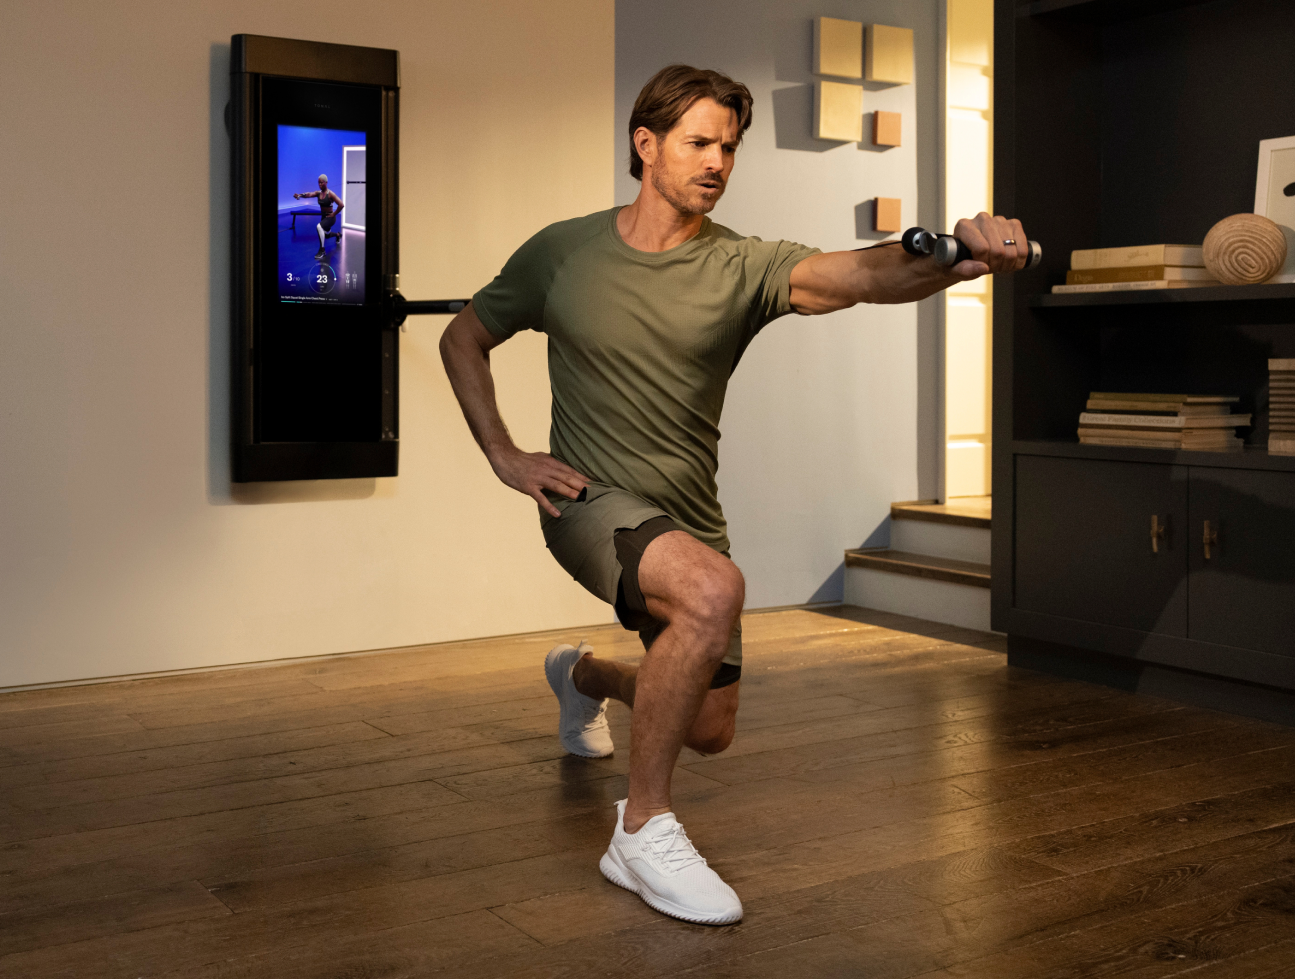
(968, 365)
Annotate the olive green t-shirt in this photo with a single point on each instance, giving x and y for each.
(641, 346)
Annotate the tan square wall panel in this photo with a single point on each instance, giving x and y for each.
(886, 128)
(888, 55)
(838, 47)
(886, 214)
(838, 111)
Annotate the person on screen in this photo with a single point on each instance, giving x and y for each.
(327, 199)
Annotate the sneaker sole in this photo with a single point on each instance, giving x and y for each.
(555, 684)
(613, 871)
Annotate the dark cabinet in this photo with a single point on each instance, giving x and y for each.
(1103, 542)
(1202, 553)
(1242, 577)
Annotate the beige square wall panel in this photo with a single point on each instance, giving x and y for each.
(889, 55)
(886, 214)
(886, 128)
(838, 47)
(838, 112)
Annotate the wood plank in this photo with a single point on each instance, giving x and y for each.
(1161, 828)
(181, 948)
(407, 950)
(113, 914)
(444, 744)
(417, 770)
(179, 756)
(42, 734)
(792, 751)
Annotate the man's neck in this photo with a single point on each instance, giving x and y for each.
(653, 224)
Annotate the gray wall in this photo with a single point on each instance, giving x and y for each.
(829, 419)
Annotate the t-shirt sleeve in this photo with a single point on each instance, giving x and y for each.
(773, 261)
(514, 300)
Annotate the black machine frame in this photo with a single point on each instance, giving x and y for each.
(261, 451)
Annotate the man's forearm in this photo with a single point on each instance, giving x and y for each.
(838, 280)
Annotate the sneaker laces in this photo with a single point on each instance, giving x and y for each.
(673, 848)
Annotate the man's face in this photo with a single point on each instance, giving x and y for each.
(690, 165)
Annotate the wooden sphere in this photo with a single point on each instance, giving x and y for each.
(1245, 249)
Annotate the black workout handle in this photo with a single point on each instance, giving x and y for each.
(417, 307)
(948, 250)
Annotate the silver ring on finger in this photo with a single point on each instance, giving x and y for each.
(1009, 241)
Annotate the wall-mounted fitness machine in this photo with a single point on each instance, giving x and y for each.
(316, 304)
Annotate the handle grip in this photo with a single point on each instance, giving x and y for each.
(948, 250)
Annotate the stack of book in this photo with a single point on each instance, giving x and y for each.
(1198, 422)
(1136, 267)
(1281, 407)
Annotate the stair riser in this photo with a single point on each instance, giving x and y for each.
(941, 540)
(939, 601)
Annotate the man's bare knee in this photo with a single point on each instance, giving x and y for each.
(711, 743)
(716, 597)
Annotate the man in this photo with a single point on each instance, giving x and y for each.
(648, 309)
(327, 200)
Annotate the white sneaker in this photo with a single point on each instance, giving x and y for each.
(660, 865)
(582, 721)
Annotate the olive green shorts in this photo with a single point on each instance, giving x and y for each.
(583, 540)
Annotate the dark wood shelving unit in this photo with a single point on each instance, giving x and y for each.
(1254, 457)
(1277, 293)
(1127, 122)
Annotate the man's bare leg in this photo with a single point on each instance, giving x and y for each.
(711, 732)
(698, 593)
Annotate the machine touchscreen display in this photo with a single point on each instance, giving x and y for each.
(322, 181)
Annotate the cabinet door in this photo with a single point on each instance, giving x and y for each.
(1243, 594)
(1084, 545)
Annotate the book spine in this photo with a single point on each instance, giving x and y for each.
(1189, 422)
(1131, 421)
(1131, 286)
(1133, 255)
(1138, 273)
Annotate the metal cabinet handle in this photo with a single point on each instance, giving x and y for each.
(1157, 532)
(1210, 537)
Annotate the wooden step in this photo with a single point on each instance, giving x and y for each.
(920, 566)
(970, 511)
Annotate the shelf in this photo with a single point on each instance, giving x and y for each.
(1251, 458)
(1268, 295)
(1102, 10)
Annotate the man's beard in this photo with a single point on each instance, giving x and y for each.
(660, 181)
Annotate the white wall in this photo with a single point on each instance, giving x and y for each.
(829, 419)
(122, 547)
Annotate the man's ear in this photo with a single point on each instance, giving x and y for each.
(645, 142)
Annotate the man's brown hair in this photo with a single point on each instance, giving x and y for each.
(674, 90)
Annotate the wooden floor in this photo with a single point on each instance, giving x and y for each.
(898, 802)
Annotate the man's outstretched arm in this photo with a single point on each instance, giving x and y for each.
(838, 280)
(465, 351)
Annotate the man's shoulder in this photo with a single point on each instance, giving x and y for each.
(752, 246)
(564, 236)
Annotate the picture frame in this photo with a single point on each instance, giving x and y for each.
(1275, 194)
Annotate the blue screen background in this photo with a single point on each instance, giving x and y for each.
(305, 153)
